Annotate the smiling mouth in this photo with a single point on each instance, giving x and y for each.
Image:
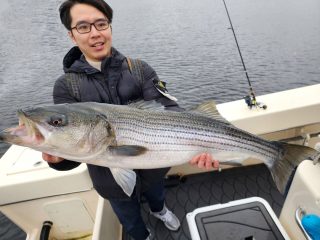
(97, 44)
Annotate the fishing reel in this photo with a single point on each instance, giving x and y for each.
(252, 102)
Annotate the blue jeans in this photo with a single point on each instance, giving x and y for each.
(129, 211)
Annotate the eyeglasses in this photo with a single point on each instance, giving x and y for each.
(85, 27)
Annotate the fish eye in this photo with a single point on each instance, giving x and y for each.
(56, 121)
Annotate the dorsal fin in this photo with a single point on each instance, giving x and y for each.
(209, 109)
(147, 105)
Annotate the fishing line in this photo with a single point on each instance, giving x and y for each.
(250, 100)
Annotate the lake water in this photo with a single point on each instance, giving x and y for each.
(187, 42)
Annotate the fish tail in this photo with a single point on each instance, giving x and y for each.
(290, 156)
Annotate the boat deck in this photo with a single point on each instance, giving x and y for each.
(199, 190)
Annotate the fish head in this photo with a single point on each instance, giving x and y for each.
(71, 131)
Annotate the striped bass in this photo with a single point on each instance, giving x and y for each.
(144, 136)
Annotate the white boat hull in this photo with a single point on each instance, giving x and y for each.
(32, 193)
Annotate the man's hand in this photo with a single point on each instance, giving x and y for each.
(204, 160)
(51, 159)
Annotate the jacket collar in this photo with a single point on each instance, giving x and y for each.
(74, 61)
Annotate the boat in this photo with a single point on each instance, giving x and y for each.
(49, 204)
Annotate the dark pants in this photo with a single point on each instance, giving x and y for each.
(129, 212)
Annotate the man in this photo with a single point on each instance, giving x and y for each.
(105, 77)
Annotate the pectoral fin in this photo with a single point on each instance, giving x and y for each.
(126, 179)
(235, 161)
(127, 150)
(232, 164)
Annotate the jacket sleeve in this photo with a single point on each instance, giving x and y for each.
(151, 93)
(61, 94)
(64, 165)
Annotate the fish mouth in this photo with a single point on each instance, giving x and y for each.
(26, 133)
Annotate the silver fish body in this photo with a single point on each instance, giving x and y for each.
(142, 136)
(173, 138)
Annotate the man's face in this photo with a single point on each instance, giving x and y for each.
(95, 45)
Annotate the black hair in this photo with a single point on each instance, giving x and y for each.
(65, 7)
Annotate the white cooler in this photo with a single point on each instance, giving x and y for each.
(246, 219)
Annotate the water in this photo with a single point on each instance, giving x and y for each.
(187, 42)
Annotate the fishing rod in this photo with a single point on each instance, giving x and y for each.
(250, 100)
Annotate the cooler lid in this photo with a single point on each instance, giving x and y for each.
(246, 219)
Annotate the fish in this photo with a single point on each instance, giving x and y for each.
(143, 135)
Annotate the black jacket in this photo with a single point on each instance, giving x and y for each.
(116, 85)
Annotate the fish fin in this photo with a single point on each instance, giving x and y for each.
(233, 163)
(284, 168)
(209, 109)
(125, 178)
(127, 150)
(147, 105)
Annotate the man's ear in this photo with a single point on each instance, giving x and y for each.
(72, 37)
